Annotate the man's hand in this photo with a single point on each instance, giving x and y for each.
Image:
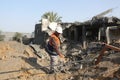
(62, 58)
(61, 55)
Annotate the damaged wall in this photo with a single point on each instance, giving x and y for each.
(39, 34)
(114, 34)
(93, 30)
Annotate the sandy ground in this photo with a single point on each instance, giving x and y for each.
(17, 64)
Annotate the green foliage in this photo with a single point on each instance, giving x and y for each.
(1, 36)
(17, 36)
(0, 31)
(52, 17)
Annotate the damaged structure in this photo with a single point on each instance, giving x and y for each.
(99, 28)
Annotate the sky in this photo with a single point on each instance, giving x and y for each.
(22, 15)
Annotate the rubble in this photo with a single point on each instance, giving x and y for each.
(25, 64)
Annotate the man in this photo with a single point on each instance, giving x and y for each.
(53, 49)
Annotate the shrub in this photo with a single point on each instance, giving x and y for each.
(1, 36)
(17, 36)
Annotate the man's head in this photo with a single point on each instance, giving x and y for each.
(59, 30)
(52, 26)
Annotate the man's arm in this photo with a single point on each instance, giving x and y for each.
(57, 48)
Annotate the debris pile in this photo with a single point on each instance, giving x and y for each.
(20, 62)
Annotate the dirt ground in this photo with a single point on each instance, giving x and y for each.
(18, 62)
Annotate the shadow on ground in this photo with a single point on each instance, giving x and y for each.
(33, 62)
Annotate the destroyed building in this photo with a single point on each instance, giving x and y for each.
(94, 30)
(97, 29)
